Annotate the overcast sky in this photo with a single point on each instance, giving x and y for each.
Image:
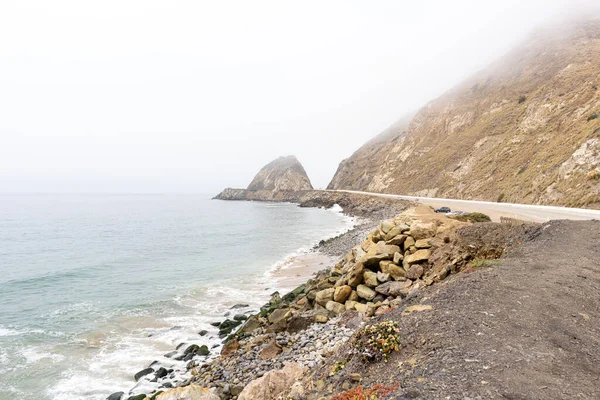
(193, 96)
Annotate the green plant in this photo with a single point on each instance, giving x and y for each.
(337, 367)
(522, 99)
(472, 217)
(480, 263)
(377, 392)
(376, 342)
(592, 117)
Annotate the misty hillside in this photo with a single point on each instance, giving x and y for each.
(525, 129)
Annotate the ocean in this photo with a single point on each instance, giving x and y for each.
(93, 288)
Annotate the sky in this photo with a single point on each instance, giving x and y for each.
(175, 96)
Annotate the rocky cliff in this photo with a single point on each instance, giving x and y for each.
(283, 179)
(526, 129)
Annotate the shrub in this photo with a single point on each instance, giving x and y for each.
(376, 342)
(500, 197)
(480, 263)
(337, 367)
(522, 99)
(377, 392)
(472, 217)
(592, 117)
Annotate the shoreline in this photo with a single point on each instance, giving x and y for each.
(289, 276)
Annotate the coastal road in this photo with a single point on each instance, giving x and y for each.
(524, 212)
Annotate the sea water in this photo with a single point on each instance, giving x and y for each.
(94, 288)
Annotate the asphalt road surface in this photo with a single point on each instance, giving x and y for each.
(524, 212)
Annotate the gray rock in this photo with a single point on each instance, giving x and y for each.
(142, 373)
(394, 288)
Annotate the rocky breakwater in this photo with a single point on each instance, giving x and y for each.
(393, 261)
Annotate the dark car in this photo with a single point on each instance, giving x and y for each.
(442, 210)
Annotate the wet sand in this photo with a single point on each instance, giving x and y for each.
(302, 268)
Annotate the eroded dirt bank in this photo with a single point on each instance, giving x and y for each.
(526, 326)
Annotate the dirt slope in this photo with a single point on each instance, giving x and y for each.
(526, 129)
(526, 327)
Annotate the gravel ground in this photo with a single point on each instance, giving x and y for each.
(526, 326)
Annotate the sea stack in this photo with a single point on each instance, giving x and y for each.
(283, 179)
(281, 174)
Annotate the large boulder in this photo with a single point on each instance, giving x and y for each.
(389, 249)
(397, 240)
(191, 392)
(387, 267)
(342, 293)
(415, 271)
(394, 289)
(279, 315)
(373, 259)
(422, 229)
(272, 384)
(395, 231)
(387, 225)
(417, 257)
(270, 351)
(408, 242)
(143, 373)
(370, 278)
(335, 307)
(355, 277)
(365, 292)
(324, 296)
(282, 174)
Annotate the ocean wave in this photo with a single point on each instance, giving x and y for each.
(9, 332)
(54, 277)
(34, 354)
(77, 307)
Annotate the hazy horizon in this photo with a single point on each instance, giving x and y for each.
(191, 97)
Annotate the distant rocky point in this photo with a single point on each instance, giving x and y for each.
(283, 179)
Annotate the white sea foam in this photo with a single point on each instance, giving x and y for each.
(34, 354)
(9, 332)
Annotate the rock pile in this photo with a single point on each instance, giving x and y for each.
(386, 267)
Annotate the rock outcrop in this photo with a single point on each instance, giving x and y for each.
(283, 179)
(526, 129)
(283, 174)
